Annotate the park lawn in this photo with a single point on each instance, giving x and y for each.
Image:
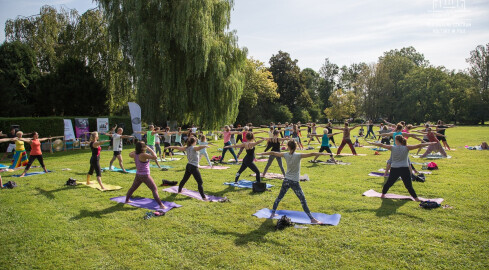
(47, 225)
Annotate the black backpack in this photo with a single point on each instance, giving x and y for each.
(429, 205)
(11, 184)
(71, 182)
(259, 187)
(283, 223)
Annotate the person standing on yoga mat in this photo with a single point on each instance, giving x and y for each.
(400, 166)
(20, 156)
(192, 168)
(117, 147)
(36, 153)
(143, 172)
(249, 146)
(436, 146)
(292, 175)
(274, 144)
(227, 137)
(346, 138)
(150, 138)
(95, 159)
(325, 144)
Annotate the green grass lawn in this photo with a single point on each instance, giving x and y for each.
(47, 225)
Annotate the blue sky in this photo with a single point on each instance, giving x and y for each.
(348, 31)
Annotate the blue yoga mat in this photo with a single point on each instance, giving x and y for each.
(162, 166)
(31, 174)
(244, 184)
(3, 166)
(300, 217)
(146, 203)
(115, 169)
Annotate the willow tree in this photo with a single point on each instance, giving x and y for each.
(188, 65)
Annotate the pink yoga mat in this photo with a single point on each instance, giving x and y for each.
(194, 194)
(214, 167)
(373, 193)
(348, 154)
(304, 177)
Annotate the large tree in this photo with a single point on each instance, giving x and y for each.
(479, 69)
(188, 66)
(18, 71)
(58, 35)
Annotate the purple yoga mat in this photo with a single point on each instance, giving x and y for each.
(373, 193)
(378, 174)
(194, 194)
(146, 203)
(214, 167)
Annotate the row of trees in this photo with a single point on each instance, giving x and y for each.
(179, 61)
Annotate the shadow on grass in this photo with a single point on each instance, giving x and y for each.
(387, 208)
(100, 213)
(257, 236)
(49, 193)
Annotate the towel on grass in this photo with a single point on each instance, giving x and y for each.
(300, 217)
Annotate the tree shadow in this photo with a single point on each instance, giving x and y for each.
(257, 235)
(49, 193)
(100, 213)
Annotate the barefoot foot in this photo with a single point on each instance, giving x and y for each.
(315, 221)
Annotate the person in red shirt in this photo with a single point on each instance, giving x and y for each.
(36, 153)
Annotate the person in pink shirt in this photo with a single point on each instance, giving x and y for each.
(227, 142)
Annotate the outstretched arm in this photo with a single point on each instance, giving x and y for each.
(198, 148)
(277, 154)
(99, 143)
(411, 147)
(304, 155)
(381, 145)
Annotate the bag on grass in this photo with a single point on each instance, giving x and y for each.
(169, 183)
(432, 166)
(283, 223)
(11, 184)
(71, 182)
(429, 205)
(259, 187)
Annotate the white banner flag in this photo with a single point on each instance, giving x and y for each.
(135, 111)
(69, 132)
(102, 125)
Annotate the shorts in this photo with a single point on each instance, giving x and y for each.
(151, 146)
(233, 140)
(11, 148)
(117, 153)
(325, 148)
(441, 138)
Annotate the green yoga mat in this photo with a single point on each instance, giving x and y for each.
(97, 186)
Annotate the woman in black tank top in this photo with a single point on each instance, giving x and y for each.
(95, 159)
(250, 156)
(274, 144)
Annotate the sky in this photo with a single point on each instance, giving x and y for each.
(346, 32)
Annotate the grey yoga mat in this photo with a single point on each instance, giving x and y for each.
(300, 217)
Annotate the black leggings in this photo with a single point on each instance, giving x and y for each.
(95, 165)
(248, 163)
(31, 160)
(386, 141)
(405, 175)
(239, 138)
(192, 170)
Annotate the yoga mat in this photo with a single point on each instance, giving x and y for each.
(31, 174)
(162, 166)
(330, 163)
(300, 217)
(195, 194)
(214, 167)
(146, 203)
(169, 159)
(373, 193)
(244, 184)
(348, 154)
(179, 154)
(377, 174)
(304, 177)
(115, 169)
(379, 149)
(430, 156)
(478, 147)
(3, 166)
(423, 172)
(97, 186)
